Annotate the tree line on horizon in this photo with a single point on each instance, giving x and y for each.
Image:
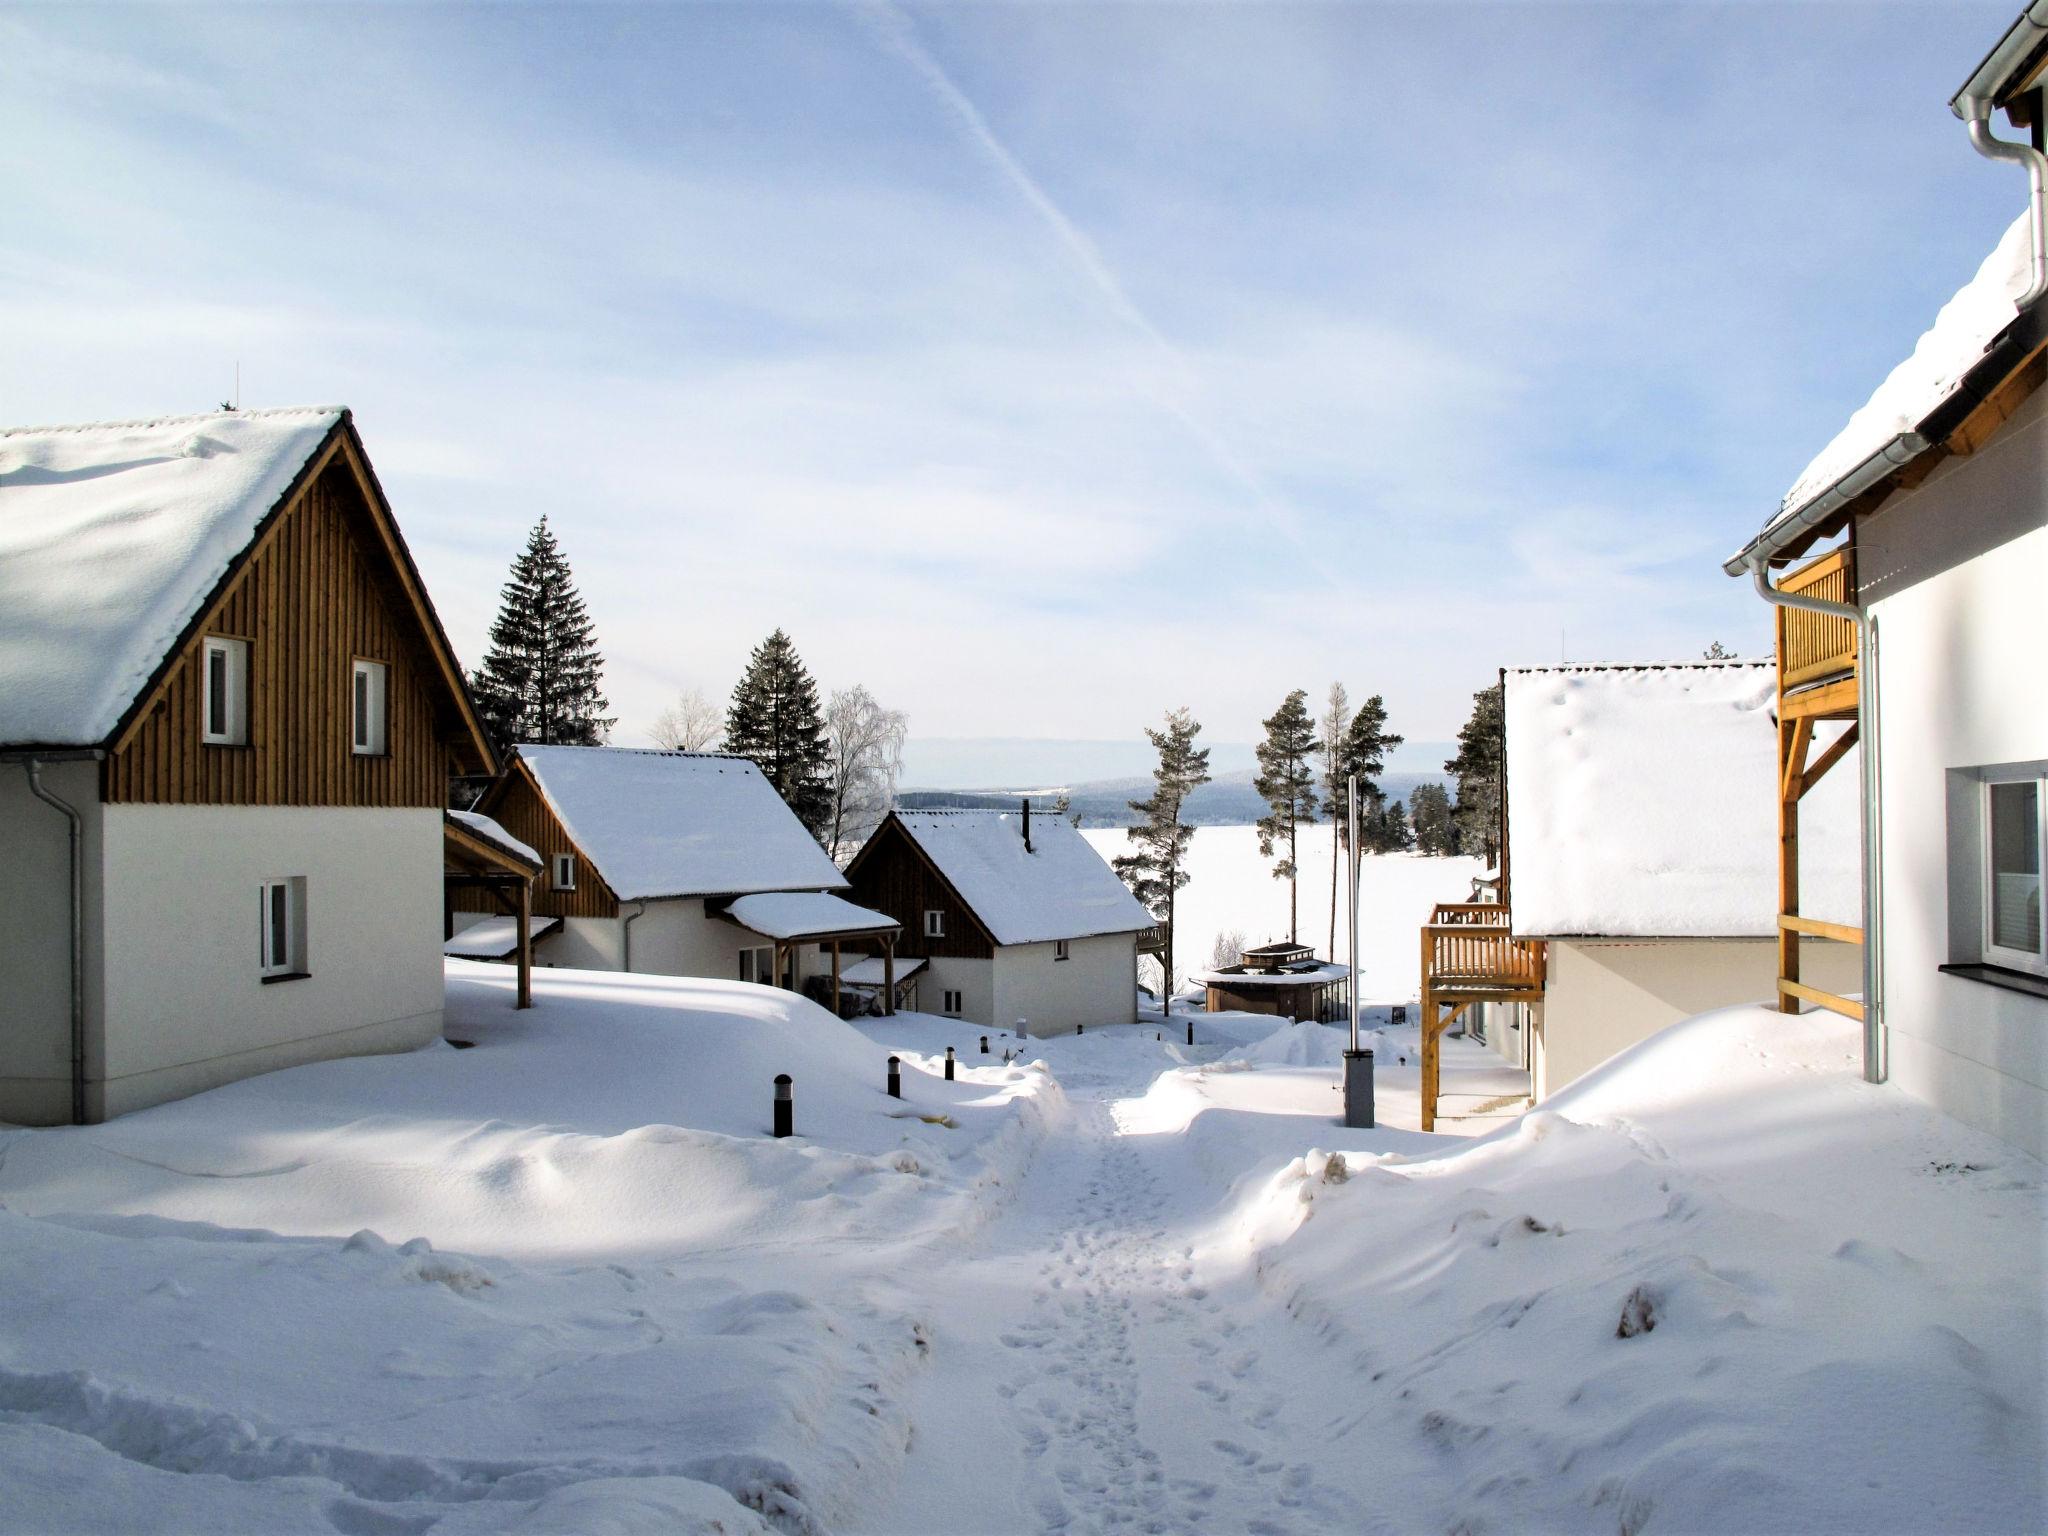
(835, 763)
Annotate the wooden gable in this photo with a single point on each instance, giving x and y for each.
(892, 874)
(325, 582)
(516, 803)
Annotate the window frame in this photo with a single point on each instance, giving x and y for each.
(2033, 963)
(1061, 951)
(935, 922)
(557, 864)
(233, 694)
(369, 692)
(952, 1003)
(281, 896)
(764, 969)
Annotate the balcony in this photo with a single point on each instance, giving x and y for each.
(1470, 955)
(1817, 651)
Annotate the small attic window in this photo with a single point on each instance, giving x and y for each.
(224, 691)
(372, 709)
(565, 872)
(934, 923)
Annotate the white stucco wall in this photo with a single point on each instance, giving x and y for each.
(670, 938)
(1956, 573)
(974, 980)
(1603, 996)
(35, 958)
(1095, 984)
(185, 1007)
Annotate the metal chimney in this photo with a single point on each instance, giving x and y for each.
(1027, 824)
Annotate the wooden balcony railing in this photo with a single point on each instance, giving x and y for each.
(1812, 646)
(1467, 946)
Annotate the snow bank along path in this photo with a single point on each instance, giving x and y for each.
(1721, 1285)
(560, 1281)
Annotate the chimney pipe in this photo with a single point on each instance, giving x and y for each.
(1027, 824)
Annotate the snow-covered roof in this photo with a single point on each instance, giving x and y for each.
(1966, 325)
(112, 537)
(1304, 976)
(1642, 802)
(868, 972)
(679, 823)
(491, 832)
(805, 915)
(496, 937)
(1061, 889)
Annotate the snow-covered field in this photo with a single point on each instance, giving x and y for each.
(564, 1282)
(1232, 887)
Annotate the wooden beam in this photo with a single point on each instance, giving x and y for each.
(1841, 933)
(1829, 758)
(1792, 758)
(1791, 751)
(889, 978)
(525, 944)
(1849, 1008)
(835, 977)
(1830, 701)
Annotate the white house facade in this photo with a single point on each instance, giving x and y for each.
(252, 726)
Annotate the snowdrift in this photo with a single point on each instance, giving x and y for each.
(1720, 1284)
(562, 1277)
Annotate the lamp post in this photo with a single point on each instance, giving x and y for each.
(1357, 1061)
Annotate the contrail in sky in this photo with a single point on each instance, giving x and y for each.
(900, 35)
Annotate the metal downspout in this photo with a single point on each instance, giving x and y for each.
(71, 814)
(626, 937)
(1979, 121)
(1876, 1067)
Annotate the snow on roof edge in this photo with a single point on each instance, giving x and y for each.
(143, 423)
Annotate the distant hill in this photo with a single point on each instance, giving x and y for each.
(1227, 800)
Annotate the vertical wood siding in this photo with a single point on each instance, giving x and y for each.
(519, 808)
(892, 875)
(309, 602)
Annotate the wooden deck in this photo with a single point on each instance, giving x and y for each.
(1470, 955)
(1817, 680)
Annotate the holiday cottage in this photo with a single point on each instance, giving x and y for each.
(1017, 920)
(228, 720)
(1638, 856)
(674, 864)
(1913, 554)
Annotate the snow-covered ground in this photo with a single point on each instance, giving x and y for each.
(1232, 887)
(564, 1282)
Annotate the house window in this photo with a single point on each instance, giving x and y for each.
(758, 965)
(565, 872)
(372, 709)
(952, 1002)
(224, 689)
(1059, 949)
(281, 944)
(934, 924)
(2015, 851)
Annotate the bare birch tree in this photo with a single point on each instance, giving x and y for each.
(691, 724)
(866, 742)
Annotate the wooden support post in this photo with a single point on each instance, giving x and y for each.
(447, 911)
(889, 977)
(1793, 738)
(1427, 1092)
(525, 921)
(835, 976)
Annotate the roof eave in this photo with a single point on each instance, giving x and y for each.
(1824, 512)
(2012, 61)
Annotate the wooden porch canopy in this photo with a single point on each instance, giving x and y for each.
(1469, 955)
(790, 918)
(478, 854)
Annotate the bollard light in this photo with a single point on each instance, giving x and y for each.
(1079, 1027)
(895, 1077)
(984, 1045)
(785, 1106)
(1191, 1031)
(949, 1063)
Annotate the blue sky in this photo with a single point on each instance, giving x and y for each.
(1040, 367)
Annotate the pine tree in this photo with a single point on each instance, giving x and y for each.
(774, 719)
(541, 678)
(1477, 768)
(1364, 753)
(1157, 867)
(1430, 807)
(1287, 783)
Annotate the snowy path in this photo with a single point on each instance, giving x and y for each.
(1097, 1366)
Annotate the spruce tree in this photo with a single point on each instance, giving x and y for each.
(1287, 783)
(1477, 768)
(1430, 808)
(1157, 868)
(1391, 832)
(1363, 753)
(541, 678)
(774, 719)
